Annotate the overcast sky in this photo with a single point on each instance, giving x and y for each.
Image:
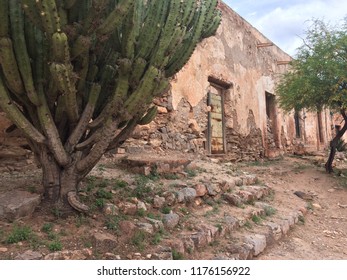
(284, 21)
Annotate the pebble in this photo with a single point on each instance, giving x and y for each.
(3, 250)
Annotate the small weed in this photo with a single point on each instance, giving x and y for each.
(153, 216)
(101, 167)
(256, 219)
(190, 250)
(177, 255)
(80, 220)
(47, 227)
(302, 220)
(191, 173)
(99, 202)
(171, 176)
(248, 224)
(156, 239)
(214, 243)
(119, 184)
(55, 246)
(112, 222)
(184, 211)
(220, 227)
(269, 211)
(57, 212)
(32, 189)
(19, 233)
(309, 206)
(139, 240)
(52, 236)
(101, 193)
(166, 210)
(141, 212)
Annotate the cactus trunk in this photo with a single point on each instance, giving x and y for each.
(76, 77)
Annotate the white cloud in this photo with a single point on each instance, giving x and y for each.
(284, 21)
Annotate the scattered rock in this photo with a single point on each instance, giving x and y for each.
(170, 198)
(189, 194)
(171, 220)
(17, 204)
(213, 189)
(29, 255)
(303, 195)
(156, 223)
(316, 205)
(127, 227)
(231, 223)
(104, 241)
(70, 255)
(141, 206)
(258, 241)
(158, 202)
(146, 227)
(249, 179)
(200, 189)
(233, 199)
(340, 205)
(128, 208)
(3, 249)
(110, 209)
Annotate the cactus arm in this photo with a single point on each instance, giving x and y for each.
(149, 116)
(9, 66)
(62, 74)
(87, 114)
(20, 50)
(17, 117)
(115, 18)
(69, 3)
(149, 34)
(51, 131)
(146, 87)
(33, 14)
(4, 22)
(180, 58)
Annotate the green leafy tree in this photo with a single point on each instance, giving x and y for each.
(318, 77)
(76, 77)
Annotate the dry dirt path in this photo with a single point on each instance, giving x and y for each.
(324, 232)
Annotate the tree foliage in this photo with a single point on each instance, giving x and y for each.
(76, 77)
(318, 75)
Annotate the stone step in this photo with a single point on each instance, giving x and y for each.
(146, 165)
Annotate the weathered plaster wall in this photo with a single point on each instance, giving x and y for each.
(233, 56)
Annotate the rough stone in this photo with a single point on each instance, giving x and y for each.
(127, 227)
(242, 251)
(110, 209)
(158, 202)
(246, 196)
(170, 198)
(189, 194)
(228, 185)
(128, 208)
(232, 199)
(29, 255)
(171, 220)
(201, 239)
(258, 241)
(180, 196)
(231, 223)
(238, 181)
(104, 241)
(200, 189)
(145, 227)
(163, 253)
(141, 206)
(177, 245)
(70, 255)
(156, 223)
(285, 226)
(249, 179)
(3, 249)
(213, 189)
(17, 204)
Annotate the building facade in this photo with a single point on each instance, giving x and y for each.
(223, 102)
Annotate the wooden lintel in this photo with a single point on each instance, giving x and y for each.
(284, 62)
(221, 83)
(264, 45)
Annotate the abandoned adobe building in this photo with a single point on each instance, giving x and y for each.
(223, 102)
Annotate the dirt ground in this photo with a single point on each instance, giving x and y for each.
(322, 234)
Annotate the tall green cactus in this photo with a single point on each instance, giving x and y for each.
(77, 76)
